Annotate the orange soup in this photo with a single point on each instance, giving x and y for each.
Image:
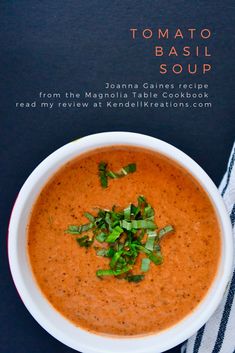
(67, 273)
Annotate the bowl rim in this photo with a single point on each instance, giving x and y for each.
(95, 343)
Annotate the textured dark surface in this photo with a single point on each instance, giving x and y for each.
(68, 45)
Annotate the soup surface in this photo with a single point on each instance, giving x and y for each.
(66, 272)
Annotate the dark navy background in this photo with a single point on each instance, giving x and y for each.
(73, 45)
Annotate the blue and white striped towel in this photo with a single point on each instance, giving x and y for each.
(218, 334)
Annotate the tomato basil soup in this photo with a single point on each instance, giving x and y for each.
(67, 272)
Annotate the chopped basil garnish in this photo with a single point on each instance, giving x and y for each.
(100, 273)
(130, 168)
(104, 174)
(112, 237)
(145, 263)
(115, 258)
(116, 272)
(142, 201)
(150, 240)
(89, 216)
(102, 252)
(122, 235)
(84, 241)
(135, 278)
(165, 230)
(101, 237)
(156, 259)
(79, 229)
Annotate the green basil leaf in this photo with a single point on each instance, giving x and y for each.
(167, 229)
(101, 237)
(135, 278)
(84, 241)
(145, 263)
(117, 231)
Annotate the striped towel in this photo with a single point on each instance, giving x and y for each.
(218, 334)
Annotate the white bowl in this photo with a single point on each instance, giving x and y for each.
(51, 320)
